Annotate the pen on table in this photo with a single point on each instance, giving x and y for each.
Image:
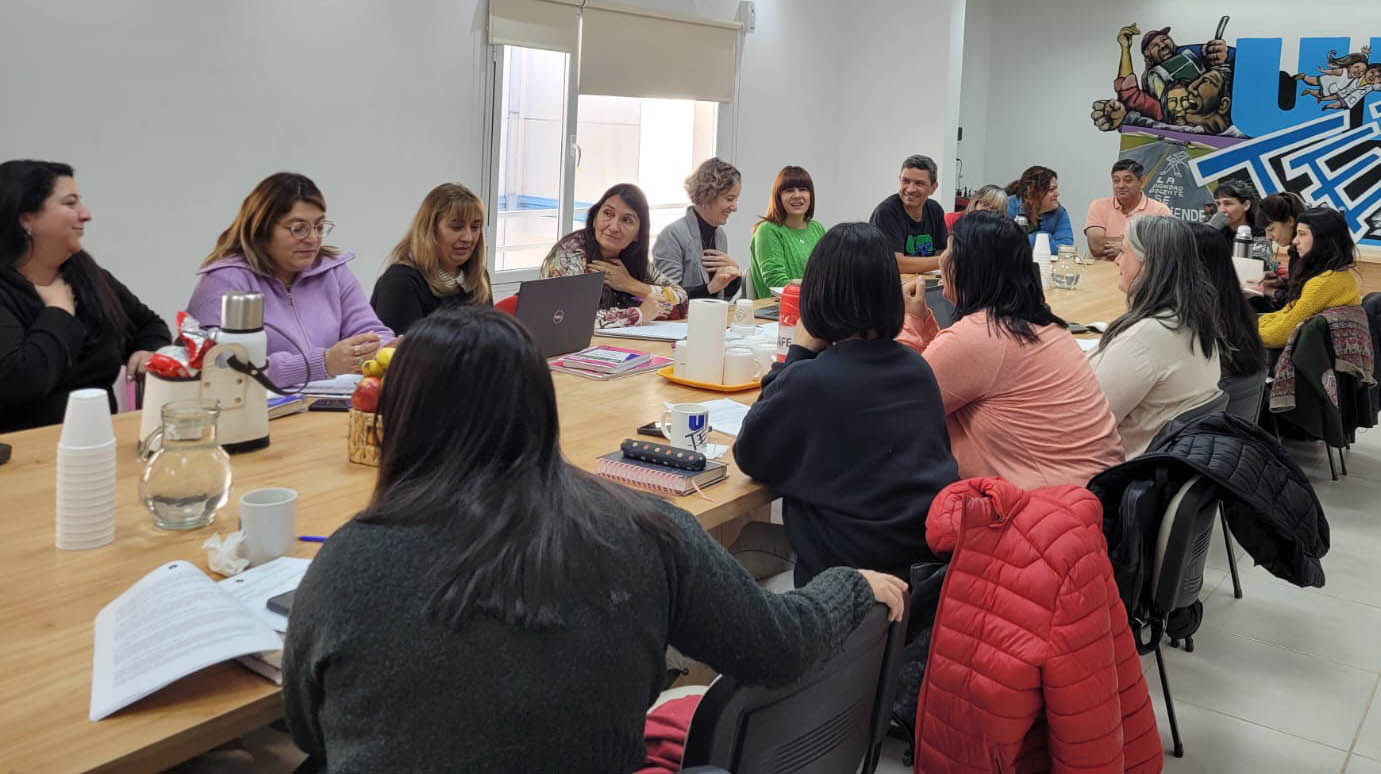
(311, 538)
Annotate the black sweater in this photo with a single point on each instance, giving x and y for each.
(854, 441)
(402, 297)
(45, 353)
(371, 684)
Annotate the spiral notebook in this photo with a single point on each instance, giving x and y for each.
(660, 478)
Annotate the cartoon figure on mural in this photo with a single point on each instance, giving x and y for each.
(1345, 81)
(1182, 88)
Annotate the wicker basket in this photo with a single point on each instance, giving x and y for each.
(364, 437)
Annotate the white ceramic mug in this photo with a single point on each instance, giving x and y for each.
(766, 354)
(268, 517)
(741, 366)
(686, 426)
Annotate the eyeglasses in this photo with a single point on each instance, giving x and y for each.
(301, 229)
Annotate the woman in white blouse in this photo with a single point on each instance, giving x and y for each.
(1160, 358)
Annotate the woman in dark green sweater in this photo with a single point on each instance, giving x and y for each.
(495, 609)
(439, 262)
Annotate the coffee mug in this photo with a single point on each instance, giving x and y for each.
(741, 366)
(766, 354)
(268, 517)
(686, 426)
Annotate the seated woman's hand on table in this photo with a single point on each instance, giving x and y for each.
(346, 356)
(721, 268)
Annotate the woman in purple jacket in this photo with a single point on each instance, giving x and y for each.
(318, 319)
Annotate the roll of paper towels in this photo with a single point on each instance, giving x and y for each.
(705, 340)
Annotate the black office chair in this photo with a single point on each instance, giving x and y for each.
(825, 723)
(1177, 576)
(1236, 399)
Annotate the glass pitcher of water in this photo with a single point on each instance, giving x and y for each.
(1066, 270)
(186, 473)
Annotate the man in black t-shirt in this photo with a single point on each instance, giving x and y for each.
(911, 221)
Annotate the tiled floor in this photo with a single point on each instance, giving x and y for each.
(1284, 679)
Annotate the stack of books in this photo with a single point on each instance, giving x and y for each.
(606, 362)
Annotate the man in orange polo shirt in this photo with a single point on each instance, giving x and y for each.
(1107, 218)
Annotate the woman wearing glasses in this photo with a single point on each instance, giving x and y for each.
(318, 319)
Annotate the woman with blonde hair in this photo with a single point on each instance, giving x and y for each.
(989, 197)
(440, 261)
(318, 322)
(691, 251)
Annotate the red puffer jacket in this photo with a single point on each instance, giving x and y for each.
(1032, 665)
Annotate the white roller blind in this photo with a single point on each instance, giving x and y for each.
(553, 25)
(630, 53)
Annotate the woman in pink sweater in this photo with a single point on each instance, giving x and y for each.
(1021, 401)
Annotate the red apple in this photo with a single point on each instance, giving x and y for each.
(366, 395)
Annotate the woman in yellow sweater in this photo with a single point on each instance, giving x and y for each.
(1322, 280)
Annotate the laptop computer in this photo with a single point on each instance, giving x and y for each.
(560, 312)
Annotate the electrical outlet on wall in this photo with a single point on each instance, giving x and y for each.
(748, 15)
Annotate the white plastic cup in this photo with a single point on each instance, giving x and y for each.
(87, 421)
(268, 517)
(741, 366)
(678, 351)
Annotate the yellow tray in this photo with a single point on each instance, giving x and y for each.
(669, 373)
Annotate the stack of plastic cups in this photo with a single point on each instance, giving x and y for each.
(86, 472)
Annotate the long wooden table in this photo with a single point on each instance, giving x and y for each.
(51, 597)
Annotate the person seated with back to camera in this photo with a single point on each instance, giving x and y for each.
(690, 251)
(850, 430)
(615, 241)
(1009, 371)
(486, 566)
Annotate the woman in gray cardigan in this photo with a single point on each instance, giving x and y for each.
(690, 251)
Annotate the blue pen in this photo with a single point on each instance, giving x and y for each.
(311, 538)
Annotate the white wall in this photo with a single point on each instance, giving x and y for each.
(973, 94)
(171, 112)
(896, 97)
(1049, 61)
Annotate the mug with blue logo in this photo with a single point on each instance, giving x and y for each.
(687, 426)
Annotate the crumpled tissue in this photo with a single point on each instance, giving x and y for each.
(223, 553)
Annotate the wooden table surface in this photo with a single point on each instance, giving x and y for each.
(51, 596)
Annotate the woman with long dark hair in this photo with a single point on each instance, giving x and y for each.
(1320, 279)
(786, 234)
(615, 240)
(496, 609)
(1240, 352)
(849, 430)
(1277, 215)
(1160, 358)
(65, 323)
(1020, 399)
(1036, 196)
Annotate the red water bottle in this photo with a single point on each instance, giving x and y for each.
(789, 311)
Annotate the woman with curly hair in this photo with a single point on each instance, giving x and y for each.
(691, 251)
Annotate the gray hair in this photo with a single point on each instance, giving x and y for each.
(710, 180)
(917, 161)
(992, 197)
(1172, 287)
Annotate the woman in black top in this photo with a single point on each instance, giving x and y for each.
(850, 430)
(495, 609)
(439, 262)
(65, 323)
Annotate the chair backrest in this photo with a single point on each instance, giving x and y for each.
(1244, 395)
(822, 723)
(1219, 403)
(1371, 304)
(1186, 531)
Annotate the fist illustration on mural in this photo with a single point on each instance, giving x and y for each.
(1108, 114)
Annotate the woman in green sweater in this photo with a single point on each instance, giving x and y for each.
(784, 237)
(496, 609)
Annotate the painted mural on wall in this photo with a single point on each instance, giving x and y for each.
(1195, 106)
